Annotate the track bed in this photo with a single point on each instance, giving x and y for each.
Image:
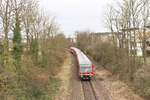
(87, 90)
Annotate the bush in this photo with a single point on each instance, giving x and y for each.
(31, 78)
(109, 56)
(114, 59)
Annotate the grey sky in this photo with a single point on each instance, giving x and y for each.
(80, 15)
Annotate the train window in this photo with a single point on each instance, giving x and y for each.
(85, 69)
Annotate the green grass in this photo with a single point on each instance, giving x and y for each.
(148, 60)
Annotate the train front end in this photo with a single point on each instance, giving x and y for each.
(86, 71)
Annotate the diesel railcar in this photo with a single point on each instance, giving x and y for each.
(84, 65)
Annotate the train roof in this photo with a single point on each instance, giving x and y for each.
(83, 59)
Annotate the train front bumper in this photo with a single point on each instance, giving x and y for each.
(86, 76)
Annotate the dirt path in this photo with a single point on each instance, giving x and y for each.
(77, 86)
(117, 90)
(65, 75)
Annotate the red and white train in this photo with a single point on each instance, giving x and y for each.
(84, 65)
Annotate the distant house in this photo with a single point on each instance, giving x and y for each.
(103, 36)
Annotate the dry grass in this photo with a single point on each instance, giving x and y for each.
(117, 89)
(65, 75)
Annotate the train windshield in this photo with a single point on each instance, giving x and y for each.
(85, 69)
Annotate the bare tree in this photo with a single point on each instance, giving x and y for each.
(145, 18)
(110, 20)
(28, 18)
(5, 17)
(125, 20)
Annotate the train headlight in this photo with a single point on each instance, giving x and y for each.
(91, 75)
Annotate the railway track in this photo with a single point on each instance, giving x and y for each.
(83, 90)
(89, 91)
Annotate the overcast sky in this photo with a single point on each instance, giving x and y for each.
(78, 15)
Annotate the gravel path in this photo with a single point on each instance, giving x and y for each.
(77, 86)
